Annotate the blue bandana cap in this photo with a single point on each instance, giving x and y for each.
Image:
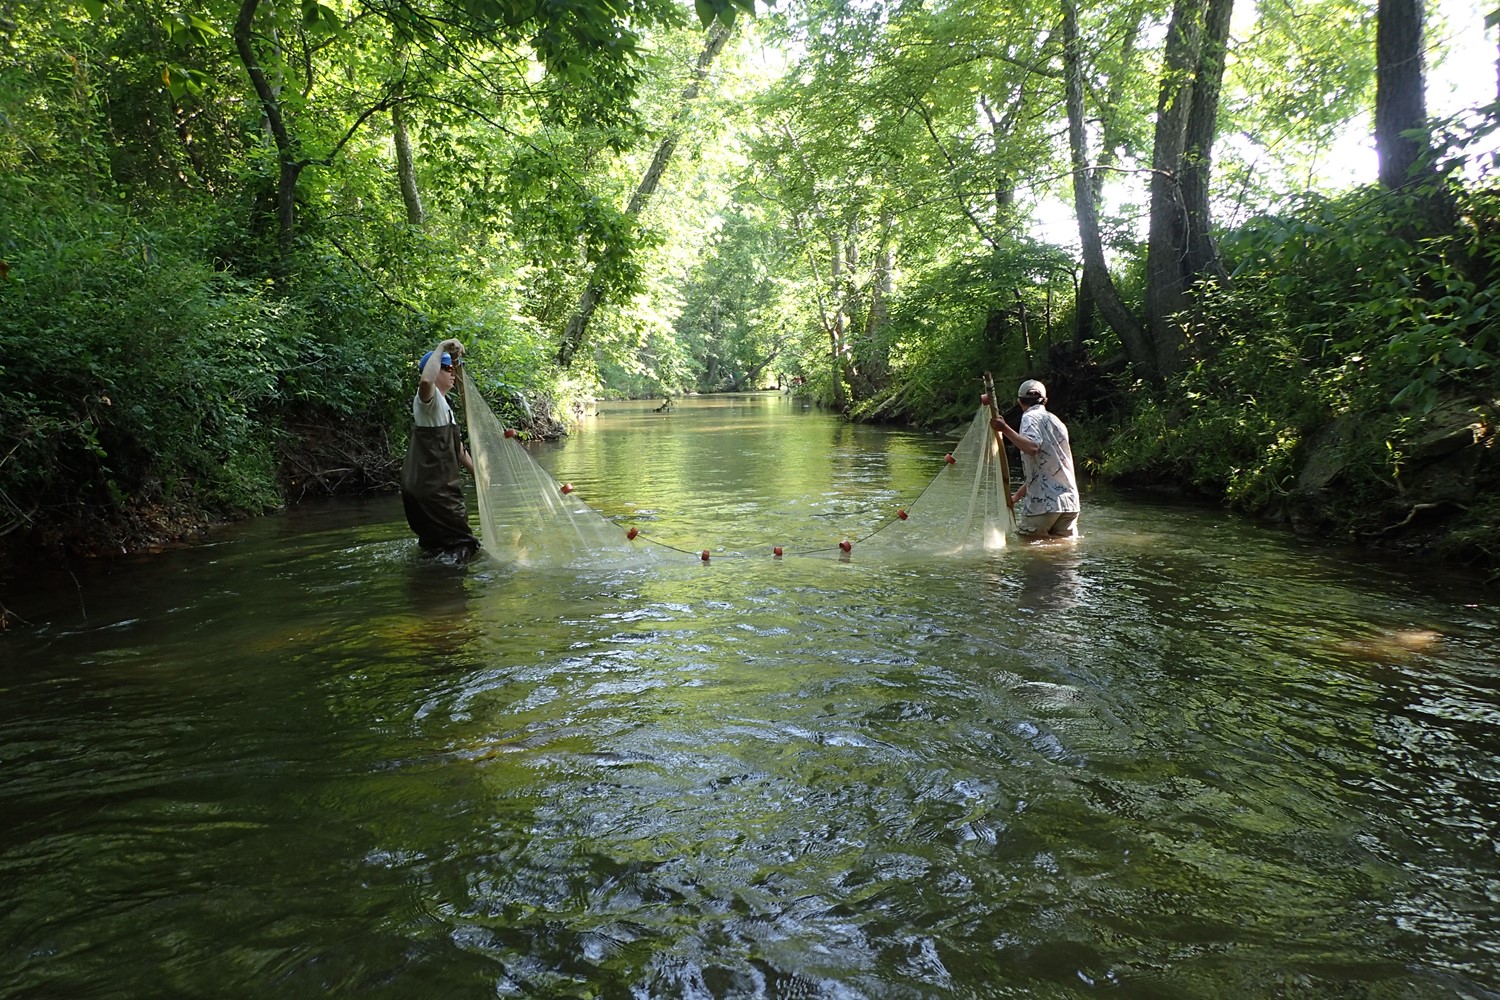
(447, 360)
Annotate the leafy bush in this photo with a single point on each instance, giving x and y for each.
(961, 323)
(1337, 309)
(139, 379)
(132, 369)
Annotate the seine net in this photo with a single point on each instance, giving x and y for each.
(962, 510)
(526, 517)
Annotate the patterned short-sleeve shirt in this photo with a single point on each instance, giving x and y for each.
(1050, 482)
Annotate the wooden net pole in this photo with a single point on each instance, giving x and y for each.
(989, 389)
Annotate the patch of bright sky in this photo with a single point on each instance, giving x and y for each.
(1466, 77)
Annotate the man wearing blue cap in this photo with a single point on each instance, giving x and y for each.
(432, 488)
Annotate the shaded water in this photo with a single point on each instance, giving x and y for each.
(1183, 757)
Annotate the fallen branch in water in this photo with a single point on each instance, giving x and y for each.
(1419, 508)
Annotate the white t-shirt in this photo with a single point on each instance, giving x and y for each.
(436, 413)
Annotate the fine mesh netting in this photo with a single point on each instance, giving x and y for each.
(526, 517)
(962, 509)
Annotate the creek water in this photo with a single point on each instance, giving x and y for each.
(1183, 756)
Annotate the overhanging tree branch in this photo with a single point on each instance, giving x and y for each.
(577, 328)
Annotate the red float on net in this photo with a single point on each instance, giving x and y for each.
(510, 432)
(845, 546)
(984, 398)
(631, 534)
(901, 514)
(567, 487)
(949, 458)
(705, 555)
(776, 551)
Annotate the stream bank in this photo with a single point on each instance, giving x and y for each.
(1444, 505)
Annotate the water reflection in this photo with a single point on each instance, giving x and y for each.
(1051, 577)
(1181, 757)
(437, 592)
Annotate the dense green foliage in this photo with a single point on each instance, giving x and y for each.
(1340, 307)
(228, 233)
(168, 354)
(140, 378)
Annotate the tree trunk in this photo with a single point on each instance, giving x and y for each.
(837, 336)
(406, 168)
(1401, 134)
(1000, 129)
(288, 164)
(1202, 128)
(875, 360)
(1400, 98)
(1100, 286)
(578, 324)
(1024, 319)
(1179, 249)
(577, 327)
(1202, 262)
(1110, 143)
(1085, 310)
(754, 369)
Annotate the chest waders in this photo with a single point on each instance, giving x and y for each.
(432, 491)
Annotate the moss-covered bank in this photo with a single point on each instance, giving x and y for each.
(1443, 499)
(1422, 485)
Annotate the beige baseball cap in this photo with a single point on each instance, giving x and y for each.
(1031, 387)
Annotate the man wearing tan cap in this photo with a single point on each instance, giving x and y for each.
(1049, 488)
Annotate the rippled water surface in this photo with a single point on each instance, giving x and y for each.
(1184, 757)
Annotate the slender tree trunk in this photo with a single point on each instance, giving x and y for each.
(406, 168)
(853, 312)
(193, 149)
(1179, 250)
(1000, 129)
(1110, 143)
(1024, 319)
(831, 324)
(754, 369)
(1100, 287)
(1047, 317)
(576, 330)
(875, 356)
(578, 323)
(289, 165)
(1085, 310)
(837, 334)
